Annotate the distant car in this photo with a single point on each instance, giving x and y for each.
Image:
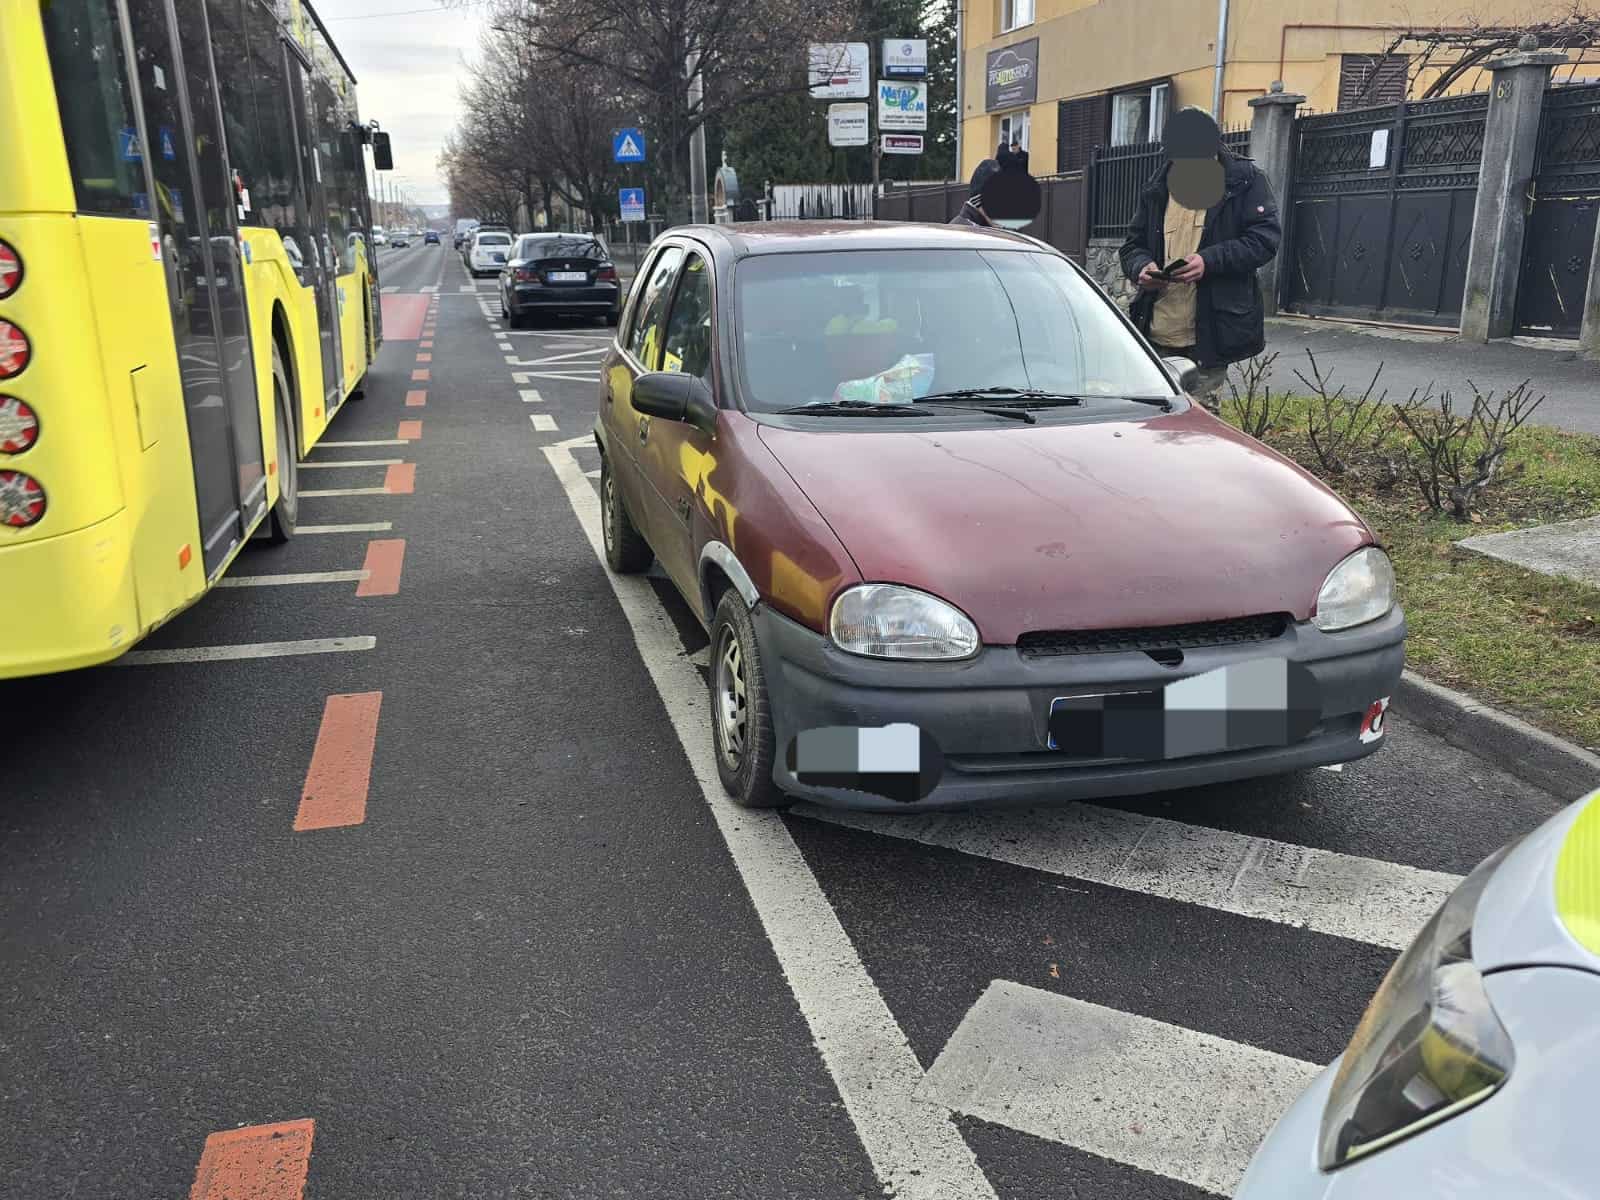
(487, 252)
(379, 238)
(431, 238)
(559, 273)
(942, 510)
(1472, 1071)
(399, 238)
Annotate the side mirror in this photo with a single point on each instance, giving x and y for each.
(382, 156)
(676, 396)
(1184, 371)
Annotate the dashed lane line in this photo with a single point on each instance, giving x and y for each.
(914, 1147)
(531, 396)
(194, 654)
(354, 462)
(356, 527)
(358, 445)
(340, 774)
(292, 578)
(542, 422)
(316, 493)
(263, 1162)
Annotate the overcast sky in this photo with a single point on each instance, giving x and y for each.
(407, 58)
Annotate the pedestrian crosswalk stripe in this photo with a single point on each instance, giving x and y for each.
(1159, 1097)
(353, 462)
(293, 578)
(354, 527)
(543, 423)
(531, 396)
(1364, 899)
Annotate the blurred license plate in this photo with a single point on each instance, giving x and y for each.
(498, 257)
(569, 277)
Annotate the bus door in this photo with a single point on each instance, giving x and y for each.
(199, 250)
(324, 257)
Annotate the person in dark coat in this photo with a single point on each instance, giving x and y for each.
(1019, 158)
(1210, 310)
(971, 211)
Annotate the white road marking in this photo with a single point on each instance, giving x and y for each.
(354, 462)
(284, 580)
(389, 291)
(1159, 1097)
(595, 474)
(367, 491)
(551, 359)
(430, 287)
(531, 396)
(542, 422)
(1336, 768)
(143, 658)
(1364, 899)
(567, 378)
(915, 1149)
(466, 287)
(358, 527)
(702, 656)
(354, 445)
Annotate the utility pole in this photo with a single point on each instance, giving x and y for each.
(961, 12)
(697, 141)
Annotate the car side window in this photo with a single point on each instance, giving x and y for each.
(688, 342)
(644, 339)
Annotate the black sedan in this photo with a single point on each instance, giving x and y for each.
(559, 273)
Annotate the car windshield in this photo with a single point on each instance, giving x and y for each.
(892, 326)
(551, 246)
(493, 239)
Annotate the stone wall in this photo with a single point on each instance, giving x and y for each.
(1101, 262)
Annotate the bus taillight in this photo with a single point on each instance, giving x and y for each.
(19, 427)
(21, 499)
(10, 270)
(14, 350)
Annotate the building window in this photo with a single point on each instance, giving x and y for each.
(1368, 79)
(1080, 127)
(1013, 127)
(1139, 115)
(1014, 14)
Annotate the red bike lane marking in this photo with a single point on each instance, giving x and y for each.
(335, 791)
(258, 1162)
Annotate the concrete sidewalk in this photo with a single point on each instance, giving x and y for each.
(1412, 359)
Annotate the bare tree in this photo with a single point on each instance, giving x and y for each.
(650, 51)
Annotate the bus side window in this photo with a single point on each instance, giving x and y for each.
(274, 191)
(91, 77)
(239, 118)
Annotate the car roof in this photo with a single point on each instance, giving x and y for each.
(752, 238)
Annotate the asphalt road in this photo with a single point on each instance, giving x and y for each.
(546, 959)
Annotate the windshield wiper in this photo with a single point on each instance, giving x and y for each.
(1034, 396)
(852, 408)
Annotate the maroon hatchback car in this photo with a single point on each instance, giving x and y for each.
(958, 536)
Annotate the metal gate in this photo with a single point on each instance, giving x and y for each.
(1380, 212)
(1563, 200)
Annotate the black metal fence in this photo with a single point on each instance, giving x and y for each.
(1117, 175)
(1062, 209)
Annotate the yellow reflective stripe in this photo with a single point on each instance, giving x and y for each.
(1578, 877)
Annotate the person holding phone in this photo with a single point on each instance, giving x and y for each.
(1209, 216)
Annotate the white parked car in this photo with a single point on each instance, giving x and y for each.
(379, 238)
(487, 252)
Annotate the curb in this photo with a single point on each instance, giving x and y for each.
(1510, 743)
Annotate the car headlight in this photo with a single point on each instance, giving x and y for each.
(885, 620)
(1429, 1044)
(1358, 590)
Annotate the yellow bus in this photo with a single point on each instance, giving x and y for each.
(186, 299)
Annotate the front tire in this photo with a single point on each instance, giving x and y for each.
(627, 553)
(742, 740)
(281, 520)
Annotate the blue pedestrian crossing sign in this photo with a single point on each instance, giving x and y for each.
(128, 144)
(627, 145)
(631, 201)
(169, 145)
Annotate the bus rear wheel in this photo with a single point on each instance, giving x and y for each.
(281, 520)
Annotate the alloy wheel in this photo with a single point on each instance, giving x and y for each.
(732, 708)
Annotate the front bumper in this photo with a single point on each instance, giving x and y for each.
(989, 715)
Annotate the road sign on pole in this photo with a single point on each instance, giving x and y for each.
(631, 201)
(627, 146)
